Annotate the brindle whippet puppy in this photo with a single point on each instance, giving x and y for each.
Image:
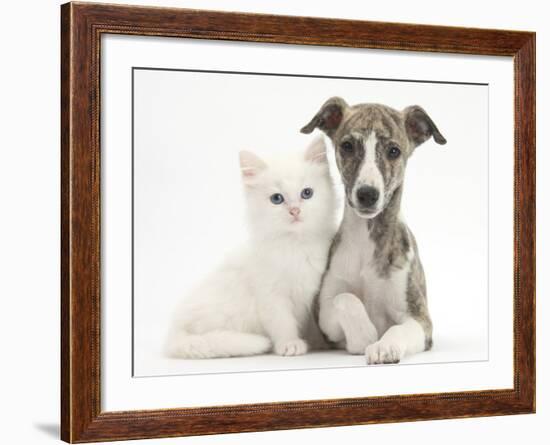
(373, 294)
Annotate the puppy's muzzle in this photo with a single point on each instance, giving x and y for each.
(367, 197)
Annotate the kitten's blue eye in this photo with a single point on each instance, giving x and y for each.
(277, 198)
(307, 193)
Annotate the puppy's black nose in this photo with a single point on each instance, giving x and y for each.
(367, 196)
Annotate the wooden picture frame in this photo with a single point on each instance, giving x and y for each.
(82, 25)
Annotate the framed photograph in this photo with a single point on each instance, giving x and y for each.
(274, 222)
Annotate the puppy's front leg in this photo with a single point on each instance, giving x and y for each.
(413, 331)
(343, 317)
(356, 323)
(402, 339)
(329, 320)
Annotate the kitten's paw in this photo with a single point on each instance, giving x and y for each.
(292, 347)
(383, 352)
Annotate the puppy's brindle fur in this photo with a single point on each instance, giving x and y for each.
(373, 294)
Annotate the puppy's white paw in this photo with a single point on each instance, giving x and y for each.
(292, 347)
(383, 352)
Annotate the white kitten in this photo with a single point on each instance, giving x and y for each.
(261, 298)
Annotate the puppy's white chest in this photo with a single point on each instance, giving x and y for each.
(385, 297)
(356, 256)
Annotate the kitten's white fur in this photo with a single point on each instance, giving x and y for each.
(261, 298)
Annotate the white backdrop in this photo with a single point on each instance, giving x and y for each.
(30, 282)
(188, 200)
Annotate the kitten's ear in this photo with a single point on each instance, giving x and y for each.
(251, 165)
(317, 151)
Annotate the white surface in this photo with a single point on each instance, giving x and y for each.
(121, 392)
(31, 168)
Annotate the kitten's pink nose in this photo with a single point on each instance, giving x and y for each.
(294, 211)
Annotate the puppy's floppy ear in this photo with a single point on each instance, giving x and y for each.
(329, 117)
(317, 151)
(420, 126)
(251, 165)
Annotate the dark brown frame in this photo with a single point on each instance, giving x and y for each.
(82, 25)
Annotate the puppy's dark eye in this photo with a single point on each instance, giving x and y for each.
(347, 147)
(394, 152)
(277, 198)
(307, 193)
